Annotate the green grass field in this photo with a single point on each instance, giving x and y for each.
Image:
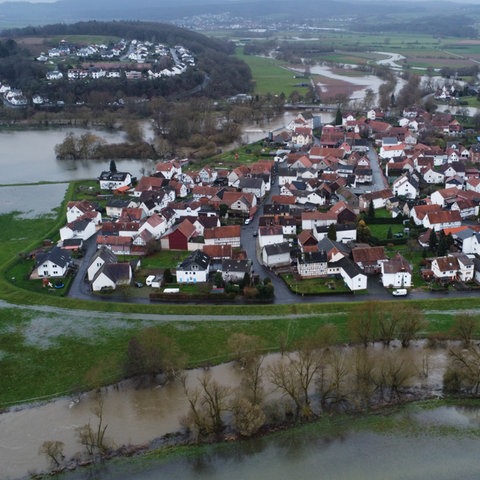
(272, 76)
(48, 347)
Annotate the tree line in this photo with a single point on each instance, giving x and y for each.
(313, 376)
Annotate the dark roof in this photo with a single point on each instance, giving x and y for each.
(339, 227)
(277, 248)
(197, 259)
(314, 257)
(104, 254)
(113, 176)
(56, 255)
(116, 271)
(229, 265)
(348, 267)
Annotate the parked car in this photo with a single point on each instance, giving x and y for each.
(400, 292)
(139, 284)
(247, 221)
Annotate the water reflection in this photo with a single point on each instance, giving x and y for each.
(359, 456)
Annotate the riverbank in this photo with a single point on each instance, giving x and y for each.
(136, 415)
(412, 419)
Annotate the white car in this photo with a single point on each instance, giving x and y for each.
(400, 292)
(247, 221)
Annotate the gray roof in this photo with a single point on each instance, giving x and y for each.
(113, 176)
(56, 255)
(240, 266)
(327, 245)
(348, 267)
(277, 248)
(314, 257)
(116, 271)
(105, 254)
(198, 260)
(247, 182)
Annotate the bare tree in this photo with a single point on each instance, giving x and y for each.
(92, 437)
(411, 322)
(464, 327)
(207, 402)
(368, 99)
(332, 379)
(53, 450)
(393, 371)
(463, 370)
(252, 380)
(294, 377)
(152, 353)
(363, 385)
(248, 417)
(244, 347)
(363, 321)
(387, 326)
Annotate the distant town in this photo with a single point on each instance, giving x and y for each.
(132, 60)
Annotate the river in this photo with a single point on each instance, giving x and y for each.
(420, 449)
(133, 415)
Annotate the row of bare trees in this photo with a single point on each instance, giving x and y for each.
(313, 376)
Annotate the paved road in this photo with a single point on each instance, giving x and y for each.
(81, 289)
(379, 181)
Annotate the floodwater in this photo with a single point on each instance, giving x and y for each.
(36, 200)
(29, 157)
(359, 455)
(133, 415)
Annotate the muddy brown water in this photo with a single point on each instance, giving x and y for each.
(133, 415)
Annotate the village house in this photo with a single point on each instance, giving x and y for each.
(406, 186)
(344, 233)
(307, 242)
(82, 228)
(467, 241)
(369, 259)
(310, 220)
(235, 270)
(112, 275)
(378, 198)
(102, 255)
(53, 263)
(114, 180)
(194, 269)
(226, 235)
(256, 186)
(119, 245)
(442, 220)
(353, 277)
(82, 209)
(312, 264)
(276, 255)
(180, 236)
(270, 235)
(115, 206)
(453, 267)
(396, 272)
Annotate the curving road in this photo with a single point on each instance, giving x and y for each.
(80, 288)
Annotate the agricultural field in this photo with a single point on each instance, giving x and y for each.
(272, 76)
(420, 51)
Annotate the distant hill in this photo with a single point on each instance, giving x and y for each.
(217, 70)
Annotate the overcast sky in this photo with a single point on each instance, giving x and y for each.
(29, 1)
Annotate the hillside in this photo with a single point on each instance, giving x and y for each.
(216, 71)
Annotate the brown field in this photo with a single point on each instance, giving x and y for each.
(331, 89)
